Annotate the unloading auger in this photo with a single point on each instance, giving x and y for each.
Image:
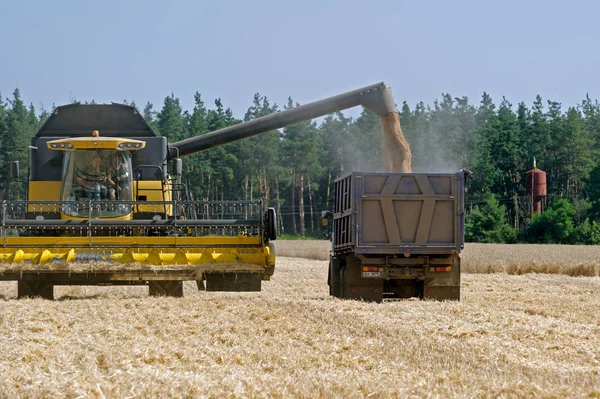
(106, 205)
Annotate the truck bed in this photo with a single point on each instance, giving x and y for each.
(399, 213)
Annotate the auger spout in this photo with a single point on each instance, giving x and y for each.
(376, 98)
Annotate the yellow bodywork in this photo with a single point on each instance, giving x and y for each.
(211, 253)
(152, 190)
(44, 191)
(91, 143)
(211, 250)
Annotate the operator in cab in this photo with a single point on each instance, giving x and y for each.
(95, 181)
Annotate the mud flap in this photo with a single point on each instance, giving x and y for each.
(444, 287)
(233, 282)
(166, 288)
(35, 288)
(353, 286)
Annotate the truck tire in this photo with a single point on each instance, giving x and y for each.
(32, 289)
(166, 288)
(447, 288)
(353, 286)
(333, 277)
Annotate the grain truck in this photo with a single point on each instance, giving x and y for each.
(397, 235)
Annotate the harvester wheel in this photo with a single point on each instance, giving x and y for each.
(233, 282)
(166, 288)
(31, 289)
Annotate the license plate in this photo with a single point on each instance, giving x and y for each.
(371, 274)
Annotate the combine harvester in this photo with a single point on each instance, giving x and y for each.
(106, 205)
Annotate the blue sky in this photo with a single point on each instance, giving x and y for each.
(112, 50)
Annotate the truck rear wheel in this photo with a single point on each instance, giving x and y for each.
(31, 289)
(354, 286)
(166, 288)
(446, 287)
(334, 278)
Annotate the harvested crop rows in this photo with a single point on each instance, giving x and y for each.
(511, 335)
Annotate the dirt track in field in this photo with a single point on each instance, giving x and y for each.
(533, 335)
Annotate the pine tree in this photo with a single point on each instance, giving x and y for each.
(365, 150)
(170, 120)
(487, 174)
(259, 154)
(197, 166)
(221, 160)
(452, 139)
(21, 124)
(150, 116)
(302, 146)
(417, 130)
(579, 154)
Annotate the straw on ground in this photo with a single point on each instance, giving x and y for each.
(528, 336)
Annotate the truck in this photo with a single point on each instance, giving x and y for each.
(397, 235)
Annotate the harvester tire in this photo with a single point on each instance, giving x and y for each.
(32, 289)
(166, 288)
(233, 282)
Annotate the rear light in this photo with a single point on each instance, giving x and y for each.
(370, 269)
(440, 269)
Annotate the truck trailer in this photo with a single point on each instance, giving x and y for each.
(397, 235)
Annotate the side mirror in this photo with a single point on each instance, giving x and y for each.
(271, 224)
(468, 174)
(14, 170)
(178, 166)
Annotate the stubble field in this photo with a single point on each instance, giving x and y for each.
(514, 334)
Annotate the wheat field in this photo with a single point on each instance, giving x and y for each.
(529, 335)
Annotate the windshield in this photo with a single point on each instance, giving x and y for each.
(97, 175)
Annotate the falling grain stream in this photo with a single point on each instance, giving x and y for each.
(397, 156)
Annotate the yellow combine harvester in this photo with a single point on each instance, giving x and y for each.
(106, 205)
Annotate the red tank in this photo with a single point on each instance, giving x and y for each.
(536, 188)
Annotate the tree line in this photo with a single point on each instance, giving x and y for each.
(293, 169)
